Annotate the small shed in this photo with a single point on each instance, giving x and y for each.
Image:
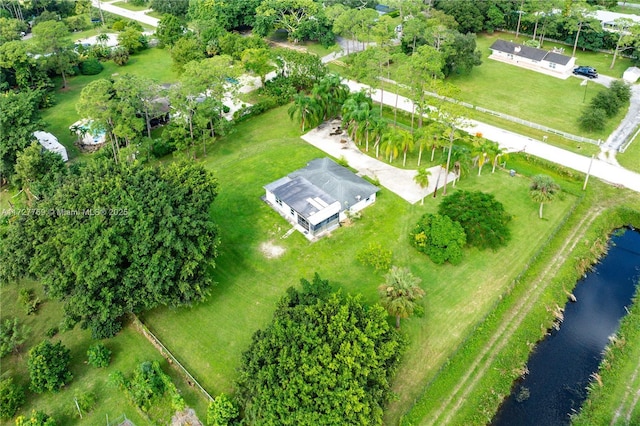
(631, 75)
(50, 143)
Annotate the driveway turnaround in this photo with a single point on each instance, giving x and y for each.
(398, 181)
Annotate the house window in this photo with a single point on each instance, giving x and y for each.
(368, 199)
(293, 212)
(552, 65)
(279, 201)
(510, 56)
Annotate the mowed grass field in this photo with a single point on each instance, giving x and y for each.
(530, 95)
(210, 338)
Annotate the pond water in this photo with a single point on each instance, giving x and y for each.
(561, 365)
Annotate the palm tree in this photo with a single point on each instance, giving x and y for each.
(422, 179)
(481, 148)
(306, 109)
(330, 93)
(405, 145)
(391, 142)
(378, 130)
(355, 111)
(495, 152)
(460, 156)
(543, 189)
(399, 293)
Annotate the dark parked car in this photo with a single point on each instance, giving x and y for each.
(586, 71)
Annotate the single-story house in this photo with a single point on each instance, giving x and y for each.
(319, 196)
(608, 19)
(548, 62)
(631, 75)
(50, 143)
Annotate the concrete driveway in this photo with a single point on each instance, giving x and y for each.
(396, 180)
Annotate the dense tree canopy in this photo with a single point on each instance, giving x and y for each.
(325, 359)
(439, 237)
(117, 238)
(19, 119)
(483, 218)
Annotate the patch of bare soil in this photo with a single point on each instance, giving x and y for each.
(186, 417)
(271, 250)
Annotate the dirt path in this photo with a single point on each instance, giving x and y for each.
(628, 394)
(508, 327)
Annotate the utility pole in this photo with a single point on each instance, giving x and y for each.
(586, 179)
(519, 18)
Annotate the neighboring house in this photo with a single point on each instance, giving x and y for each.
(547, 62)
(50, 143)
(608, 19)
(315, 199)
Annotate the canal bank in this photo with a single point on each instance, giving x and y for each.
(562, 365)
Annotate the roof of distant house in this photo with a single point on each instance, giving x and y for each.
(528, 52)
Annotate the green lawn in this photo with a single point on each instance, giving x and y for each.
(152, 63)
(210, 338)
(129, 349)
(530, 95)
(129, 6)
(630, 158)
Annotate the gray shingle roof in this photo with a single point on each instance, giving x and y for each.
(337, 181)
(529, 52)
(296, 193)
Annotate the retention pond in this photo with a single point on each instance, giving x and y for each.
(561, 365)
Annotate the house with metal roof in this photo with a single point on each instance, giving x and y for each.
(548, 62)
(316, 198)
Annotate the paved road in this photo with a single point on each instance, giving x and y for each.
(624, 3)
(137, 16)
(515, 142)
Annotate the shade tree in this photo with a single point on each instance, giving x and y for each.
(483, 218)
(19, 119)
(325, 358)
(53, 40)
(440, 238)
(121, 238)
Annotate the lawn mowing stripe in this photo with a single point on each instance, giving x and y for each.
(513, 321)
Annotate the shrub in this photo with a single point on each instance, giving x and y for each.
(221, 411)
(440, 238)
(607, 101)
(48, 366)
(120, 56)
(91, 67)
(98, 355)
(12, 335)
(52, 332)
(376, 256)
(592, 119)
(37, 418)
(86, 402)
(162, 147)
(29, 300)
(621, 90)
(281, 89)
(11, 398)
(482, 217)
